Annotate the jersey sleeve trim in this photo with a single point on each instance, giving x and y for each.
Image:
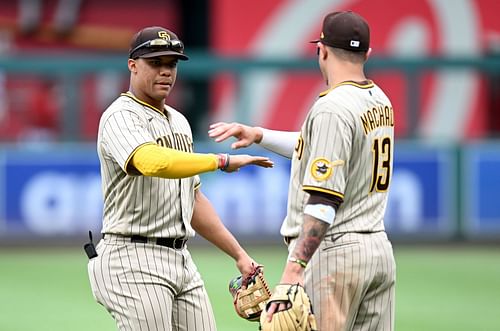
(322, 190)
(125, 166)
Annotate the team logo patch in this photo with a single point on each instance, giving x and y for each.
(322, 168)
(164, 35)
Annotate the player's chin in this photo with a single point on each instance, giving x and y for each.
(163, 89)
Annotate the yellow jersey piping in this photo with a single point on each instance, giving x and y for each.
(133, 97)
(323, 190)
(368, 84)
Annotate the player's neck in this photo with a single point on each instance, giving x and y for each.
(158, 104)
(343, 73)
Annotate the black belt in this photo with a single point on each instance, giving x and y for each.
(176, 243)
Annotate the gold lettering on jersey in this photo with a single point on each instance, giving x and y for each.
(380, 116)
(299, 147)
(164, 35)
(178, 141)
(322, 168)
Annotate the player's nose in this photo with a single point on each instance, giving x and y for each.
(166, 70)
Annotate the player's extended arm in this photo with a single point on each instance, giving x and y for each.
(319, 214)
(279, 142)
(154, 160)
(207, 223)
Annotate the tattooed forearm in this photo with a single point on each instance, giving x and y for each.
(312, 233)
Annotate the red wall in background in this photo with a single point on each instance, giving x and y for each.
(104, 26)
(407, 28)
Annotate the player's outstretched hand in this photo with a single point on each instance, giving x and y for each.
(238, 161)
(245, 134)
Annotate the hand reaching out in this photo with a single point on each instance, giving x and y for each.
(246, 135)
(238, 161)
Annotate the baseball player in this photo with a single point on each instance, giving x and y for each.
(141, 271)
(341, 169)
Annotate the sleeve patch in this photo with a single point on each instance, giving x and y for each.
(322, 168)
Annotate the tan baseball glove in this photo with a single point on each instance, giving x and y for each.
(298, 314)
(250, 302)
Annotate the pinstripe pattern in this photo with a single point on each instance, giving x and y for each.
(148, 206)
(333, 130)
(351, 282)
(149, 287)
(345, 150)
(145, 286)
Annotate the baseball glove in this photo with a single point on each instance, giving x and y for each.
(250, 302)
(298, 314)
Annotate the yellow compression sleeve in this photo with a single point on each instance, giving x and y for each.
(156, 161)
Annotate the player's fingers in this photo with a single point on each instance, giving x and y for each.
(212, 133)
(240, 144)
(283, 306)
(218, 128)
(272, 309)
(217, 125)
(262, 161)
(222, 133)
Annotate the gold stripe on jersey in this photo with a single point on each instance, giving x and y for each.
(364, 85)
(322, 190)
(133, 97)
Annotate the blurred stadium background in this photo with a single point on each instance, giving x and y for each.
(62, 63)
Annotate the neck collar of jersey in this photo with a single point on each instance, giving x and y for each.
(364, 85)
(133, 97)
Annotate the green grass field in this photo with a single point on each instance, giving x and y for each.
(438, 289)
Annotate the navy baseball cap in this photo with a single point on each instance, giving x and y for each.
(156, 41)
(346, 30)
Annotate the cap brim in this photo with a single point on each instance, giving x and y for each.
(315, 41)
(180, 56)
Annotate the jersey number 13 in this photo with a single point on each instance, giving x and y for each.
(381, 173)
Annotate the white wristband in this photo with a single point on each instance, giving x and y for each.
(322, 212)
(279, 142)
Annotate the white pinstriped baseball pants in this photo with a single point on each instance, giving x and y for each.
(148, 287)
(351, 282)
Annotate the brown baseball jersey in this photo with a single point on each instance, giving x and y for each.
(345, 150)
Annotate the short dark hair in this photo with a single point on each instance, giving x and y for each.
(343, 54)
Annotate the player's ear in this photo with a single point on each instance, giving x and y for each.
(132, 65)
(323, 51)
(368, 53)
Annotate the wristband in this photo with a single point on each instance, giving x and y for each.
(300, 262)
(223, 161)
